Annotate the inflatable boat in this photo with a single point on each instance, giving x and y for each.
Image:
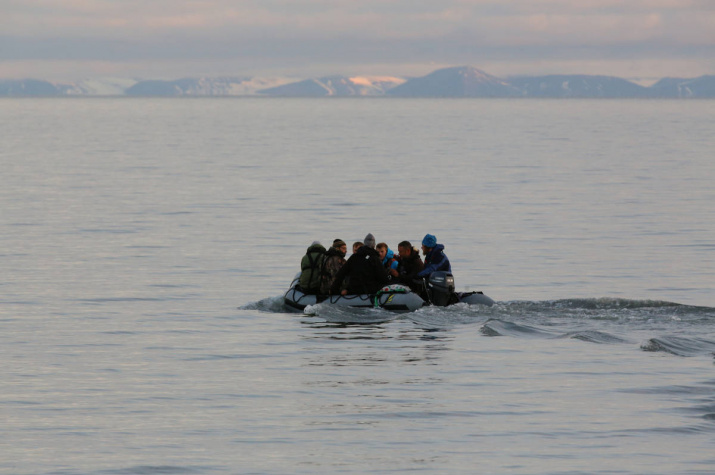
(395, 297)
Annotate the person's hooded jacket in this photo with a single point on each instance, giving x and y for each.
(435, 260)
(311, 267)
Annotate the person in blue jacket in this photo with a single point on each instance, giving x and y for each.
(387, 257)
(435, 259)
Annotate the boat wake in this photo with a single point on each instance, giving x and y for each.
(270, 304)
(677, 329)
(349, 315)
(595, 336)
(506, 328)
(680, 346)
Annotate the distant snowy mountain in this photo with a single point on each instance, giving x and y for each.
(701, 87)
(461, 81)
(464, 81)
(27, 87)
(467, 81)
(104, 86)
(85, 87)
(107, 86)
(336, 86)
(228, 86)
(562, 86)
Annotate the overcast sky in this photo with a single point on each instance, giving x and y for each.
(72, 39)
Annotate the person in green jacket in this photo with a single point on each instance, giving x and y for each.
(311, 267)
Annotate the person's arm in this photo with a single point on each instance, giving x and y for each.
(393, 269)
(432, 267)
(335, 288)
(410, 276)
(380, 272)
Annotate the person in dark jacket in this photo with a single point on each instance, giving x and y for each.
(311, 267)
(364, 271)
(334, 261)
(435, 259)
(410, 265)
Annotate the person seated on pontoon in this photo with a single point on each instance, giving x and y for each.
(410, 265)
(387, 258)
(435, 258)
(364, 271)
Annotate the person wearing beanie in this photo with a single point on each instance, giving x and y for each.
(429, 241)
(363, 272)
(369, 240)
(334, 261)
(435, 258)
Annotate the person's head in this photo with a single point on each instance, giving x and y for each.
(428, 242)
(404, 249)
(357, 245)
(382, 250)
(340, 245)
(369, 240)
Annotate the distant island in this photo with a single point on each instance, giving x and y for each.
(462, 81)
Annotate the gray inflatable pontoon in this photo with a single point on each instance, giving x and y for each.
(395, 297)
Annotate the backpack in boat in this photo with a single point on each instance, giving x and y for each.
(311, 267)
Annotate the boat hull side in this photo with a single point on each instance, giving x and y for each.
(294, 299)
(475, 298)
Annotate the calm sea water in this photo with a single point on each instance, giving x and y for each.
(145, 244)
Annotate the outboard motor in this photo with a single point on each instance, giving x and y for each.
(440, 288)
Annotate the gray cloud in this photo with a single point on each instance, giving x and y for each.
(321, 32)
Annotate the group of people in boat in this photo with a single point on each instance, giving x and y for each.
(370, 267)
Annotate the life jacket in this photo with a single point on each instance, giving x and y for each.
(390, 264)
(311, 267)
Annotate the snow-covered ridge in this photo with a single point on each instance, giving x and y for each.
(464, 81)
(376, 81)
(106, 86)
(337, 86)
(223, 86)
(110, 86)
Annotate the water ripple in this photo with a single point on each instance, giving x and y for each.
(680, 346)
